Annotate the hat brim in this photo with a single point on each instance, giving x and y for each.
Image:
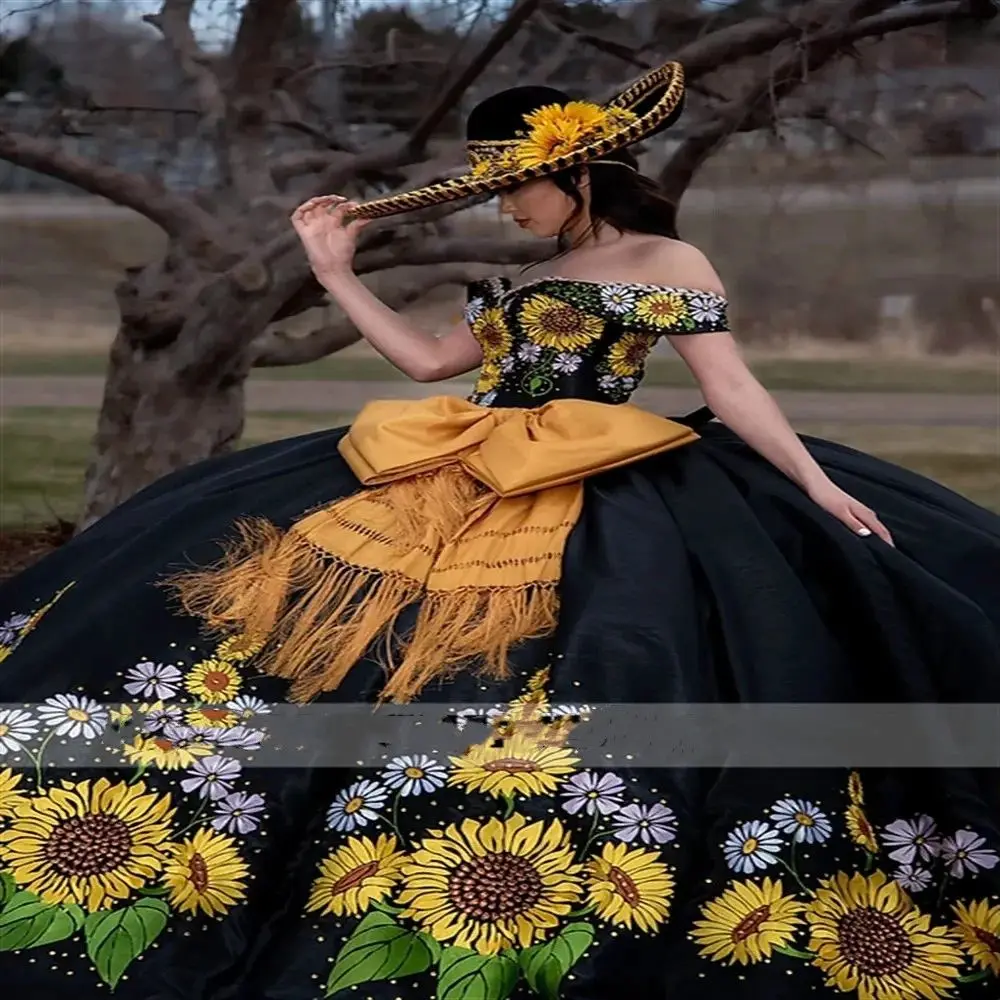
(667, 83)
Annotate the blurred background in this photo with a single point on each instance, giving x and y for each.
(838, 160)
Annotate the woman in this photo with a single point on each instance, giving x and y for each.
(175, 826)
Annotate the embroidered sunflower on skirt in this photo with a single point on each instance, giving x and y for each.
(206, 873)
(353, 877)
(868, 936)
(493, 885)
(550, 322)
(978, 928)
(88, 843)
(747, 922)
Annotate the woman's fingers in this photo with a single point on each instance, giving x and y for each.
(866, 522)
(309, 210)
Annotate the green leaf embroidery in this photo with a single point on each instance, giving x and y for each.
(467, 975)
(380, 949)
(8, 887)
(28, 922)
(545, 965)
(116, 938)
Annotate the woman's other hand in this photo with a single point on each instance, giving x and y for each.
(330, 240)
(859, 518)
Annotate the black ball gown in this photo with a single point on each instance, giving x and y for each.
(686, 789)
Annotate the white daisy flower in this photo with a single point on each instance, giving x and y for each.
(488, 398)
(415, 775)
(356, 806)
(239, 737)
(74, 716)
(608, 382)
(17, 727)
(628, 382)
(529, 352)
(618, 299)
(238, 812)
(246, 706)
(655, 824)
(212, 777)
(806, 822)
(11, 629)
(474, 309)
(593, 793)
(567, 363)
(157, 718)
(705, 308)
(964, 854)
(153, 680)
(912, 840)
(913, 878)
(507, 364)
(752, 846)
(573, 711)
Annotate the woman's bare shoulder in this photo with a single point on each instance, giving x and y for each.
(666, 261)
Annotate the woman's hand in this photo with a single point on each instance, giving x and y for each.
(329, 239)
(859, 518)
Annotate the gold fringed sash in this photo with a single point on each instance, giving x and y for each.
(467, 510)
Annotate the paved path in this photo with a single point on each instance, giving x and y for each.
(347, 397)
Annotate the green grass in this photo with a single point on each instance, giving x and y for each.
(778, 374)
(44, 453)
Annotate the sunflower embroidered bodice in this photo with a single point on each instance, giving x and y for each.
(570, 338)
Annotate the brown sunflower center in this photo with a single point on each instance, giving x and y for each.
(89, 845)
(512, 765)
(987, 938)
(198, 872)
(666, 308)
(214, 714)
(491, 335)
(216, 680)
(495, 887)
(354, 877)
(634, 352)
(751, 923)
(624, 886)
(161, 743)
(559, 319)
(874, 942)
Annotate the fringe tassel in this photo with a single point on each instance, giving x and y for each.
(318, 615)
(456, 627)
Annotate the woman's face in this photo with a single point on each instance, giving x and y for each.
(539, 206)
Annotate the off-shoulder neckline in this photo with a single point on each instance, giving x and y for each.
(511, 288)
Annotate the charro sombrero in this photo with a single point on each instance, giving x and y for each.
(529, 132)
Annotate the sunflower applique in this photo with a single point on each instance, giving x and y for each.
(550, 322)
(627, 355)
(499, 896)
(491, 330)
(664, 310)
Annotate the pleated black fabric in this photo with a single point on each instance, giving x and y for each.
(701, 577)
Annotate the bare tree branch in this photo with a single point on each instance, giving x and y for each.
(278, 348)
(174, 22)
(849, 23)
(177, 216)
(426, 127)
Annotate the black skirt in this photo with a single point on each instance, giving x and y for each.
(779, 783)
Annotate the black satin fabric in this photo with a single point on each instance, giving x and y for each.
(699, 576)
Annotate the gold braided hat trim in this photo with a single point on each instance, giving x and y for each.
(555, 137)
(466, 514)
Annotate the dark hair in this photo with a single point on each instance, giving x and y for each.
(620, 197)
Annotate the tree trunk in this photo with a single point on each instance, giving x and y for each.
(153, 422)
